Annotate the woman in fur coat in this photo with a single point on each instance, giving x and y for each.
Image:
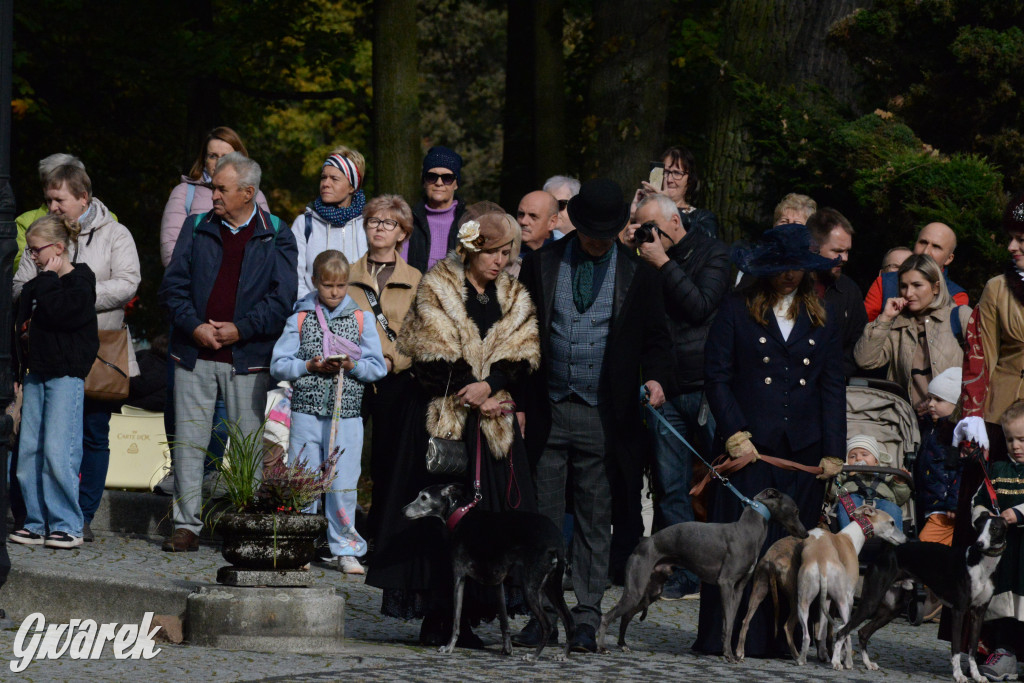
(471, 334)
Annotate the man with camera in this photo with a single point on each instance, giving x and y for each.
(693, 271)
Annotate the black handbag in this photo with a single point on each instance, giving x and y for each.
(444, 455)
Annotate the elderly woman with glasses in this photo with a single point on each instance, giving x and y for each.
(334, 220)
(437, 217)
(471, 334)
(382, 282)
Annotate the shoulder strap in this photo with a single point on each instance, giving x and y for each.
(309, 225)
(956, 325)
(190, 194)
(359, 319)
(371, 297)
(275, 223)
(890, 287)
(301, 319)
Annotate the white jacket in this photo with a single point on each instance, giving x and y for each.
(349, 239)
(175, 212)
(108, 249)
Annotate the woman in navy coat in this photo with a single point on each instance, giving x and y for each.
(773, 375)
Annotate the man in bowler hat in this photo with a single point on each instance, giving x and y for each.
(602, 322)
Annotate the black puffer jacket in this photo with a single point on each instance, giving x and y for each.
(693, 284)
(419, 240)
(62, 336)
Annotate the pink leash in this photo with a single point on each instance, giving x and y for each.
(457, 516)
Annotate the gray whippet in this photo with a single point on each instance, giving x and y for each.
(721, 554)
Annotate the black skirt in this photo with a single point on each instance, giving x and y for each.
(412, 559)
(808, 493)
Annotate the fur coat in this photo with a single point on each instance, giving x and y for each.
(437, 328)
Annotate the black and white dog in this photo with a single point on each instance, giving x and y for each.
(960, 577)
(490, 546)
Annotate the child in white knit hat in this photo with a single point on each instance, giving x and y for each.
(938, 467)
(887, 491)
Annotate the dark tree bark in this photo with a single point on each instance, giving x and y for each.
(204, 110)
(627, 98)
(774, 42)
(396, 145)
(534, 130)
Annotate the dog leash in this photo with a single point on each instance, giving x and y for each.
(861, 520)
(457, 516)
(758, 507)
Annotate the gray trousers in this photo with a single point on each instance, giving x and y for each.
(577, 442)
(195, 394)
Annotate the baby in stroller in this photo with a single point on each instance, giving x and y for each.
(886, 491)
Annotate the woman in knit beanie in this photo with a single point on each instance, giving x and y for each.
(437, 217)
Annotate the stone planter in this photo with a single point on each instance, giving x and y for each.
(267, 541)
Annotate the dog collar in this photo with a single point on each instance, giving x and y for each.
(760, 508)
(457, 516)
(864, 525)
(994, 551)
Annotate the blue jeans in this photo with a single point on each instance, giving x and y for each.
(95, 455)
(309, 440)
(674, 460)
(881, 503)
(51, 453)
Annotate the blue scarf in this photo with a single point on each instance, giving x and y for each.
(340, 215)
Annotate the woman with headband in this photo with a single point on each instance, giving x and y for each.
(334, 220)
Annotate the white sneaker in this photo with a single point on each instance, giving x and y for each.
(61, 539)
(348, 564)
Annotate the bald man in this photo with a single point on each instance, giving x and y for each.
(537, 216)
(938, 241)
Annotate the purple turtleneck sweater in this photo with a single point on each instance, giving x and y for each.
(440, 222)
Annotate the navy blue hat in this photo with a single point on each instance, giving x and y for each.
(442, 157)
(784, 247)
(599, 211)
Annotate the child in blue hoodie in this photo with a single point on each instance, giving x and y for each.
(324, 342)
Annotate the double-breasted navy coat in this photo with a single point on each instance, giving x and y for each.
(790, 395)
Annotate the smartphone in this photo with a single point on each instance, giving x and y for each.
(657, 175)
(339, 357)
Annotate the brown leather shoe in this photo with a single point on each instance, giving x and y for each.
(182, 540)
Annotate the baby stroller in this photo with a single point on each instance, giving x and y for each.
(882, 409)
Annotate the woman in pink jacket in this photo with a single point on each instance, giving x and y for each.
(193, 195)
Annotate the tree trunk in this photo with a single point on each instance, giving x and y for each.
(203, 109)
(396, 120)
(534, 118)
(627, 100)
(774, 42)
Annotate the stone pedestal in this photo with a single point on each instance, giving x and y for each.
(302, 620)
(233, 576)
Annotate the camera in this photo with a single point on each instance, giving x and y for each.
(646, 232)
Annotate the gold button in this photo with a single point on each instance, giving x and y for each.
(762, 340)
(811, 342)
(767, 380)
(803, 382)
(807, 361)
(765, 359)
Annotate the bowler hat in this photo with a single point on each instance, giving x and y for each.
(784, 247)
(599, 211)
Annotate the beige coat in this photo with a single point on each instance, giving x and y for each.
(395, 301)
(437, 328)
(893, 344)
(108, 249)
(1001, 326)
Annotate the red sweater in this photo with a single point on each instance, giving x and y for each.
(221, 306)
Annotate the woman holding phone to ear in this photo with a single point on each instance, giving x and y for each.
(680, 183)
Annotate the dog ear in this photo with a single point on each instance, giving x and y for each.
(452, 491)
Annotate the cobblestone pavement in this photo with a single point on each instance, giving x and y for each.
(381, 648)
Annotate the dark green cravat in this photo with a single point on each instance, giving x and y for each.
(583, 294)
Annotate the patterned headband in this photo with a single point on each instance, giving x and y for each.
(346, 166)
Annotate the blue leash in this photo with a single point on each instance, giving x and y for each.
(758, 507)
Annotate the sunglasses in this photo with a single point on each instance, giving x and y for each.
(562, 203)
(446, 178)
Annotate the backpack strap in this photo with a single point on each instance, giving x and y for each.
(301, 319)
(190, 194)
(309, 225)
(359, 319)
(956, 325)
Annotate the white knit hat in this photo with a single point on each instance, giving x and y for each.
(947, 385)
(868, 443)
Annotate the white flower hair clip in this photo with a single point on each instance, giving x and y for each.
(469, 233)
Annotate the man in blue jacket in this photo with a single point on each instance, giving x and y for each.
(229, 287)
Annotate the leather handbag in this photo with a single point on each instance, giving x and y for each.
(108, 378)
(446, 456)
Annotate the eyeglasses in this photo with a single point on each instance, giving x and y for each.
(676, 175)
(431, 178)
(562, 203)
(36, 251)
(388, 224)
